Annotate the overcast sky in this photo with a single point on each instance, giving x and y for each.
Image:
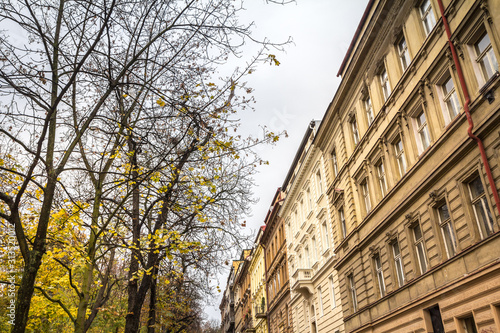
(288, 97)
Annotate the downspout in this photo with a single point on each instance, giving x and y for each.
(466, 109)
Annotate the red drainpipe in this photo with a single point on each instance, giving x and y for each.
(467, 111)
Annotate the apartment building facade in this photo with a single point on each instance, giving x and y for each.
(412, 193)
(310, 247)
(257, 272)
(226, 306)
(277, 281)
(242, 295)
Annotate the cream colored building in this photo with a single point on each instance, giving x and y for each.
(315, 295)
(414, 206)
(257, 272)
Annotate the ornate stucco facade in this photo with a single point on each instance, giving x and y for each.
(277, 281)
(415, 215)
(310, 245)
(257, 271)
(391, 206)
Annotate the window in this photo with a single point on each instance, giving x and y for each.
(308, 257)
(355, 134)
(332, 292)
(313, 248)
(450, 100)
(309, 200)
(450, 240)
(427, 16)
(320, 301)
(436, 320)
(301, 263)
(400, 156)
(422, 131)
(381, 178)
(326, 241)
(319, 183)
(380, 274)
(369, 110)
(384, 83)
(352, 288)
(404, 55)
(485, 57)
(469, 325)
(335, 163)
(342, 223)
(398, 262)
(366, 195)
(418, 240)
(482, 213)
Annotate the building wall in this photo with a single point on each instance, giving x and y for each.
(258, 287)
(274, 242)
(310, 242)
(463, 284)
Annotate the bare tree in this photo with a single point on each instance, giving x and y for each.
(115, 104)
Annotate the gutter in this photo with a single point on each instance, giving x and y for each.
(463, 85)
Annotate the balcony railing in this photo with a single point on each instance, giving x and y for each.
(302, 281)
(260, 311)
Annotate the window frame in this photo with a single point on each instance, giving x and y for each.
(368, 106)
(483, 198)
(379, 273)
(400, 158)
(352, 292)
(421, 130)
(385, 85)
(419, 247)
(446, 224)
(429, 12)
(449, 100)
(403, 53)
(381, 177)
(354, 131)
(398, 263)
(332, 292)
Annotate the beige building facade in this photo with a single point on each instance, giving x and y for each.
(414, 209)
(257, 272)
(315, 295)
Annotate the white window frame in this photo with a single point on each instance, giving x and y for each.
(385, 84)
(332, 292)
(400, 156)
(352, 288)
(485, 60)
(486, 228)
(420, 248)
(320, 301)
(449, 100)
(403, 53)
(382, 181)
(422, 134)
(355, 131)
(343, 224)
(335, 163)
(365, 192)
(326, 238)
(449, 237)
(380, 274)
(319, 184)
(398, 262)
(427, 16)
(369, 110)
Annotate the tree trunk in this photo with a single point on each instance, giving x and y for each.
(152, 302)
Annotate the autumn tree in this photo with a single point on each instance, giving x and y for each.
(113, 109)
